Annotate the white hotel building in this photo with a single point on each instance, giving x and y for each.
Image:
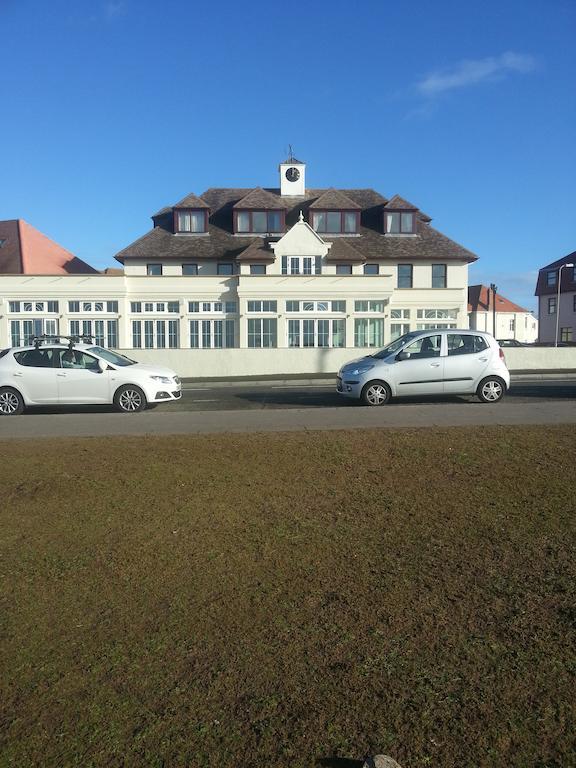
(246, 281)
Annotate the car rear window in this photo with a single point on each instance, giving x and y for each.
(4, 352)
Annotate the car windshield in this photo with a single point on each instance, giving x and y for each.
(112, 357)
(395, 345)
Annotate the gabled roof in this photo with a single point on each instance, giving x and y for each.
(259, 250)
(261, 198)
(567, 283)
(333, 199)
(397, 203)
(480, 299)
(26, 251)
(190, 201)
(343, 251)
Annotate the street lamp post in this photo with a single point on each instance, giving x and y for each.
(493, 288)
(558, 301)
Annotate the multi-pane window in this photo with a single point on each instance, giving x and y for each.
(22, 332)
(301, 265)
(257, 269)
(173, 307)
(552, 305)
(316, 332)
(212, 307)
(189, 269)
(32, 306)
(92, 306)
(104, 332)
(155, 334)
(439, 318)
(225, 269)
(371, 269)
(369, 305)
(154, 269)
(398, 329)
(398, 223)
(345, 222)
(551, 277)
(262, 332)
(400, 314)
(512, 324)
(439, 276)
(191, 221)
(316, 306)
(565, 334)
(404, 275)
(369, 332)
(262, 306)
(212, 334)
(259, 221)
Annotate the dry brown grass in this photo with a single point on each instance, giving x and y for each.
(273, 600)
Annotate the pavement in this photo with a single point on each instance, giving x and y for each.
(328, 379)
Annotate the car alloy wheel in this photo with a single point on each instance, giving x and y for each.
(491, 390)
(11, 403)
(376, 393)
(130, 399)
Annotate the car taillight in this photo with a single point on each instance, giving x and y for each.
(502, 357)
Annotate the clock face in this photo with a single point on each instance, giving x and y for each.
(292, 174)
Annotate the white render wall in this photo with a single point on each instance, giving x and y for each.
(525, 325)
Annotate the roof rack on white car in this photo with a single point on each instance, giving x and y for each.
(55, 338)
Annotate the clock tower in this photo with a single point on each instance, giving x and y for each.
(292, 177)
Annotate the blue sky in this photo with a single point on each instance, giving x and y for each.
(112, 109)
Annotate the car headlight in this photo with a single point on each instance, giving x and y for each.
(162, 379)
(361, 369)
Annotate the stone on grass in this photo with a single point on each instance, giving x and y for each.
(380, 761)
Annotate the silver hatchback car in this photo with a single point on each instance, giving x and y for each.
(433, 362)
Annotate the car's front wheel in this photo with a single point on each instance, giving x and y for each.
(376, 393)
(11, 402)
(491, 390)
(130, 399)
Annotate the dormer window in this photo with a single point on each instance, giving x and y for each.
(336, 222)
(258, 222)
(192, 221)
(399, 223)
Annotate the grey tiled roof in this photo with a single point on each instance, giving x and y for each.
(222, 244)
(335, 200)
(191, 201)
(262, 199)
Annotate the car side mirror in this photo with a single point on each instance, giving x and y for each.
(403, 356)
(102, 365)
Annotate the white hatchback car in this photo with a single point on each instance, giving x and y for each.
(51, 373)
(433, 362)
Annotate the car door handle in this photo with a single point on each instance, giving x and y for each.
(435, 365)
(483, 359)
(18, 375)
(62, 375)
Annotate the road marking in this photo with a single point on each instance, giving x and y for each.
(202, 400)
(302, 386)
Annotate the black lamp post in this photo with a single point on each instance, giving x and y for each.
(493, 288)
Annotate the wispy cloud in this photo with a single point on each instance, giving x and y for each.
(114, 8)
(471, 72)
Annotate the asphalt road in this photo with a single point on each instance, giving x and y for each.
(294, 406)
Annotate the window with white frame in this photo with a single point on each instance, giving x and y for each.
(212, 334)
(97, 305)
(301, 265)
(155, 334)
(438, 318)
(316, 332)
(262, 332)
(212, 307)
(158, 307)
(33, 305)
(398, 329)
(369, 332)
(316, 305)
(262, 306)
(22, 332)
(104, 332)
(400, 314)
(369, 305)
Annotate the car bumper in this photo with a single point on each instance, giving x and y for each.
(348, 387)
(166, 395)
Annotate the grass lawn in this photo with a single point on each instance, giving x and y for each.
(278, 600)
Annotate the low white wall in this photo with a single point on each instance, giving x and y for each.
(230, 363)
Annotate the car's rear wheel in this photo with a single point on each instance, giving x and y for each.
(491, 390)
(130, 399)
(376, 393)
(11, 402)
